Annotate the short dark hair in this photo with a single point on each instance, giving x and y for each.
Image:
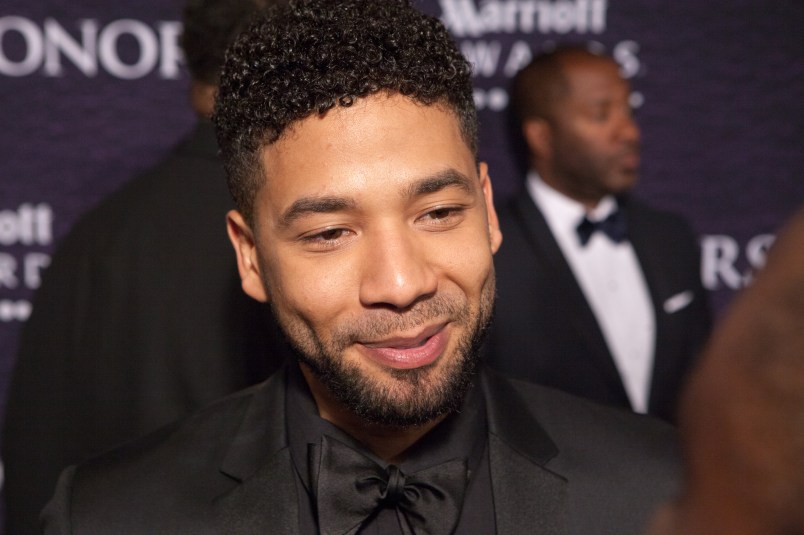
(209, 27)
(542, 82)
(310, 56)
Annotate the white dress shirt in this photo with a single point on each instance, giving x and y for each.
(612, 281)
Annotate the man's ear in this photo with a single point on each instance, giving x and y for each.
(538, 136)
(242, 238)
(495, 235)
(202, 98)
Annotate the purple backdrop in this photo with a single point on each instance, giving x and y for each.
(92, 92)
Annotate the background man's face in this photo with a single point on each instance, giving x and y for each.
(595, 141)
(373, 240)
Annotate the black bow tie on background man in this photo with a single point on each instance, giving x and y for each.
(350, 487)
(614, 226)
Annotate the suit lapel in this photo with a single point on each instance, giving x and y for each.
(528, 498)
(549, 254)
(266, 502)
(258, 459)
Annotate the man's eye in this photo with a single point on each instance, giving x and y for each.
(441, 213)
(601, 115)
(444, 216)
(327, 238)
(331, 234)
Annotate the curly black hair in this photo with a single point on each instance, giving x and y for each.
(310, 56)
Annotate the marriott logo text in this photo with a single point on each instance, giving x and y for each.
(467, 18)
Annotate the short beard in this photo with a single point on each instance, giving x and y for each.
(415, 396)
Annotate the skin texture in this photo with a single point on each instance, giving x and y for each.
(742, 415)
(374, 229)
(587, 144)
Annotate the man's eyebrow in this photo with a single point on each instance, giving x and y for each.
(439, 181)
(328, 204)
(314, 205)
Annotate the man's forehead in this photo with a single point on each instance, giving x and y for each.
(592, 82)
(391, 116)
(379, 137)
(585, 70)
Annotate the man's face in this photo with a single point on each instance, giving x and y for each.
(373, 241)
(594, 139)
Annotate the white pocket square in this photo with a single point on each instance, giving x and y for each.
(678, 301)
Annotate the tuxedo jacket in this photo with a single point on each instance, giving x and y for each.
(545, 331)
(140, 320)
(559, 465)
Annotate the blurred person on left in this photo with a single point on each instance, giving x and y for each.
(140, 318)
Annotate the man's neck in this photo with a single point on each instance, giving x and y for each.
(589, 201)
(386, 442)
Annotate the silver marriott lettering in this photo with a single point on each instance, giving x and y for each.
(465, 18)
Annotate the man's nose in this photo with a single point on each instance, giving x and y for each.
(396, 271)
(628, 129)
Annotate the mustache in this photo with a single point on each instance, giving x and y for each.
(379, 323)
(631, 147)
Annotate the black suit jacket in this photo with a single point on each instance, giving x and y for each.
(140, 320)
(545, 330)
(559, 465)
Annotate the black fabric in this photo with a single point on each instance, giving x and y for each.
(351, 488)
(545, 331)
(614, 226)
(460, 436)
(140, 320)
(557, 465)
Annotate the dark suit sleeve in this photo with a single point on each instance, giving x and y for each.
(55, 519)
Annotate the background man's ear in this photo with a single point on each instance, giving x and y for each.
(242, 238)
(538, 136)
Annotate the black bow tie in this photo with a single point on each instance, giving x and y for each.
(350, 487)
(614, 226)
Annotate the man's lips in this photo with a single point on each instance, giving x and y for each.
(405, 352)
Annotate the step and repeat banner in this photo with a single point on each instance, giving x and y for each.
(91, 93)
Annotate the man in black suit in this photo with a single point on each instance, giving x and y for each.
(140, 319)
(349, 138)
(598, 294)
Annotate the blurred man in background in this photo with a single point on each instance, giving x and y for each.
(599, 295)
(140, 318)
